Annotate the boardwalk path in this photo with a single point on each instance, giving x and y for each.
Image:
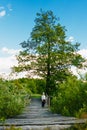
(35, 117)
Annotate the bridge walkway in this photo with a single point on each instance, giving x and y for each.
(35, 117)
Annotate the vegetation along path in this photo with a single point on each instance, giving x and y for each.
(35, 117)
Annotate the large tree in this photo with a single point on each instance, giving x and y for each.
(47, 53)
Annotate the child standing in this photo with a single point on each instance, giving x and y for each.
(43, 98)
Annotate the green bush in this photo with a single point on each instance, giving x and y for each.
(71, 97)
(77, 127)
(12, 99)
(13, 128)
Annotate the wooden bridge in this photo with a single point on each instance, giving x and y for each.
(35, 117)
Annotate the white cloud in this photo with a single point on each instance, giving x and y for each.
(82, 71)
(83, 52)
(2, 13)
(10, 51)
(71, 39)
(4, 10)
(7, 61)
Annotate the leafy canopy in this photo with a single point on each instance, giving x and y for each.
(47, 52)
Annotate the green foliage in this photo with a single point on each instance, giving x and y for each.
(40, 85)
(15, 95)
(33, 85)
(36, 96)
(47, 53)
(13, 128)
(71, 98)
(77, 127)
(12, 99)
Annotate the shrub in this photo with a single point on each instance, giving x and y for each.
(70, 98)
(13, 128)
(12, 100)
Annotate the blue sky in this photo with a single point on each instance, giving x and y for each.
(17, 20)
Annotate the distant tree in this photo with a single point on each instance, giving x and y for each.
(47, 53)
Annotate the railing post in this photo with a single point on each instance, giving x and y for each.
(48, 101)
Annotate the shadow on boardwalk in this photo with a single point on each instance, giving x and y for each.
(35, 117)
